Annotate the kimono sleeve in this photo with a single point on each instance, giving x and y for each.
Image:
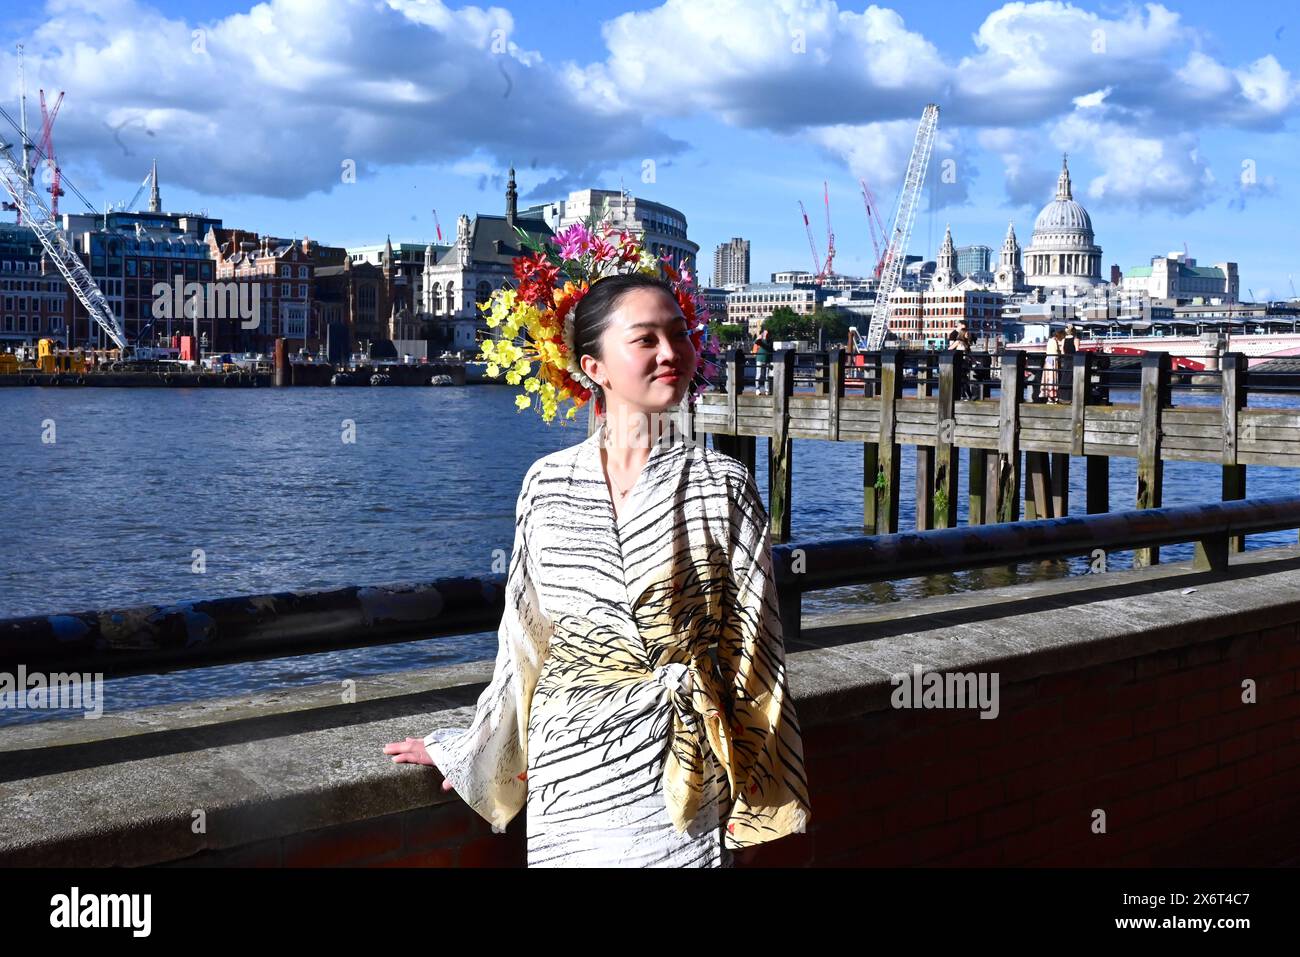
(487, 762)
(767, 747)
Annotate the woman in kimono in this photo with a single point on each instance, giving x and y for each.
(639, 708)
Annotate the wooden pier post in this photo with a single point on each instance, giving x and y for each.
(1007, 486)
(924, 477)
(833, 388)
(281, 363)
(1150, 466)
(947, 459)
(976, 493)
(1060, 484)
(1096, 467)
(780, 446)
(1037, 502)
(1233, 399)
(727, 441)
(888, 452)
(870, 450)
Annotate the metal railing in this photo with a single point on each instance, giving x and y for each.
(205, 632)
(860, 560)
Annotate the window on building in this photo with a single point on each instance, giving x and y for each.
(284, 290)
(286, 271)
(302, 272)
(302, 290)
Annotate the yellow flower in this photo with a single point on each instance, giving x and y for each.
(522, 401)
(531, 384)
(493, 370)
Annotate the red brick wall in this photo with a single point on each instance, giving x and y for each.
(1186, 773)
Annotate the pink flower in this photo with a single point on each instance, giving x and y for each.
(574, 242)
(602, 251)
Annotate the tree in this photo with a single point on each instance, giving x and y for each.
(784, 323)
(728, 334)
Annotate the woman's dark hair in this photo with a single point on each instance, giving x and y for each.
(592, 314)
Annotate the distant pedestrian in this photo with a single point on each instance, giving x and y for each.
(763, 351)
(961, 342)
(1070, 344)
(1051, 367)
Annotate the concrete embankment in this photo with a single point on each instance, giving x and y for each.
(1146, 717)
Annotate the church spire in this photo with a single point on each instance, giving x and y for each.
(155, 198)
(1063, 181)
(511, 198)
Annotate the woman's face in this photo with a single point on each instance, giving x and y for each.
(649, 360)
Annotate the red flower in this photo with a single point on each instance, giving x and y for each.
(536, 275)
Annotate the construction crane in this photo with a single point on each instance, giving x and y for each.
(27, 143)
(437, 225)
(822, 269)
(828, 268)
(891, 272)
(47, 144)
(812, 244)
(129, 205)
(37, 215)
(874, 223)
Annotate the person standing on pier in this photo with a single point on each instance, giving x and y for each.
(639, 708)
(763, 349)
(1051, 367)
(960, 341)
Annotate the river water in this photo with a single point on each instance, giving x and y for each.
(110, 513)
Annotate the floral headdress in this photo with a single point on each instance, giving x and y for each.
(553, 278)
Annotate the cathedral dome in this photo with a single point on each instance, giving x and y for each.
(1063, 214)
(1064, 252)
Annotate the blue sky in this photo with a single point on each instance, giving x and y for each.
(1180, 121)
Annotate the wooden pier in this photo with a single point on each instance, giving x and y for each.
(1010, 439)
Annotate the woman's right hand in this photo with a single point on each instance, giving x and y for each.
(412, 751)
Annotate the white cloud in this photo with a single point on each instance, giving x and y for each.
(280, 96)
(273, 101)
(779, 64)
(1139, 171)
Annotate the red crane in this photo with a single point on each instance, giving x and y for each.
(47, 146)
(876, 225)
(827, 269)
(437, 225)
(822, 269)
(817, 264)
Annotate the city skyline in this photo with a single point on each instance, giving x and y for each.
(1176, 121)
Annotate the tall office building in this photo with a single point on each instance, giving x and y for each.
(731, 263)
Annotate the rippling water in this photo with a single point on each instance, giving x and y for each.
(109, 514)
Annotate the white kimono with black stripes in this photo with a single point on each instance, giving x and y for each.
(638, 707)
